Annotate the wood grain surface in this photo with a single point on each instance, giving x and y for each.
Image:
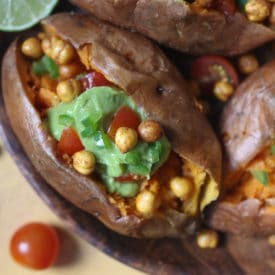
(235, 255)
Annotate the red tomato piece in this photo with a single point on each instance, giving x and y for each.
(228, 7)
(125, 117)
(70, 142)
(100, 80)
(35, 245)
(94, 79)
(209, 69)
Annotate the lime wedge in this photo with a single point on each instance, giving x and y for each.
(17, 15)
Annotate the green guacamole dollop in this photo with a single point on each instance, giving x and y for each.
(90, 114)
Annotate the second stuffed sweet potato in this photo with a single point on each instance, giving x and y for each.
(248, 131)
(200, 27)
(107, 121)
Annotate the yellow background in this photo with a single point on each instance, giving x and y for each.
(19, 204)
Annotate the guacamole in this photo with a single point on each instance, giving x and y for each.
(90, 114)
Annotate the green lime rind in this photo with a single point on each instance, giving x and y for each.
(18, 15)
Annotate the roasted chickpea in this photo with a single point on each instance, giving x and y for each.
(84, 162)
(207, 238)
(68, 90)
(62, 52)
(68, 71)
(31, 47)
(181, 187)
(223, 90)
(126, 139)
(46, 46)
(248, 64)
(257, 10)
(150, 130)
(145, 202)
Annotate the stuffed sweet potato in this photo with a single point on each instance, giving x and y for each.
(107, 121)
(248, 130)
(196, 27)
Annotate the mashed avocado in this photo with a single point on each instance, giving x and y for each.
(90, 115)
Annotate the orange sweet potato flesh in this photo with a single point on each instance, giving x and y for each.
(139, 68)
(247, 128)
(182, 25)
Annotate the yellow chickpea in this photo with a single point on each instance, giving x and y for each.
(145, 202)
(150, 130)
(181, 187)
(68, 90)
(126, 139)
(257, 10)
(71, 70)
(31, 47)
(84, 162)
(46, 47)
(223, 90)
(248, 64)
(62, 52)
(207, 238)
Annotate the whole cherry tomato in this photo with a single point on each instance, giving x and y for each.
(70, 142)
(125, 117)
(209, 69)
(35, 245)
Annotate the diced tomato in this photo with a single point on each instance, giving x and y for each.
(94, 79)
(209, 69)
(127, 178)
(70, 142)
(100, 80)
(228, 7)
(125, 117)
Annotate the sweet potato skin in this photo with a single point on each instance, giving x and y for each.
(138, 67)
(247, 127)
(182, 25)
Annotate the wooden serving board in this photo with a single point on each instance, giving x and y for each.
(235, 255)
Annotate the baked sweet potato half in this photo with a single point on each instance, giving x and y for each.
(107, 121)
(195, 27)
(248, 130)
